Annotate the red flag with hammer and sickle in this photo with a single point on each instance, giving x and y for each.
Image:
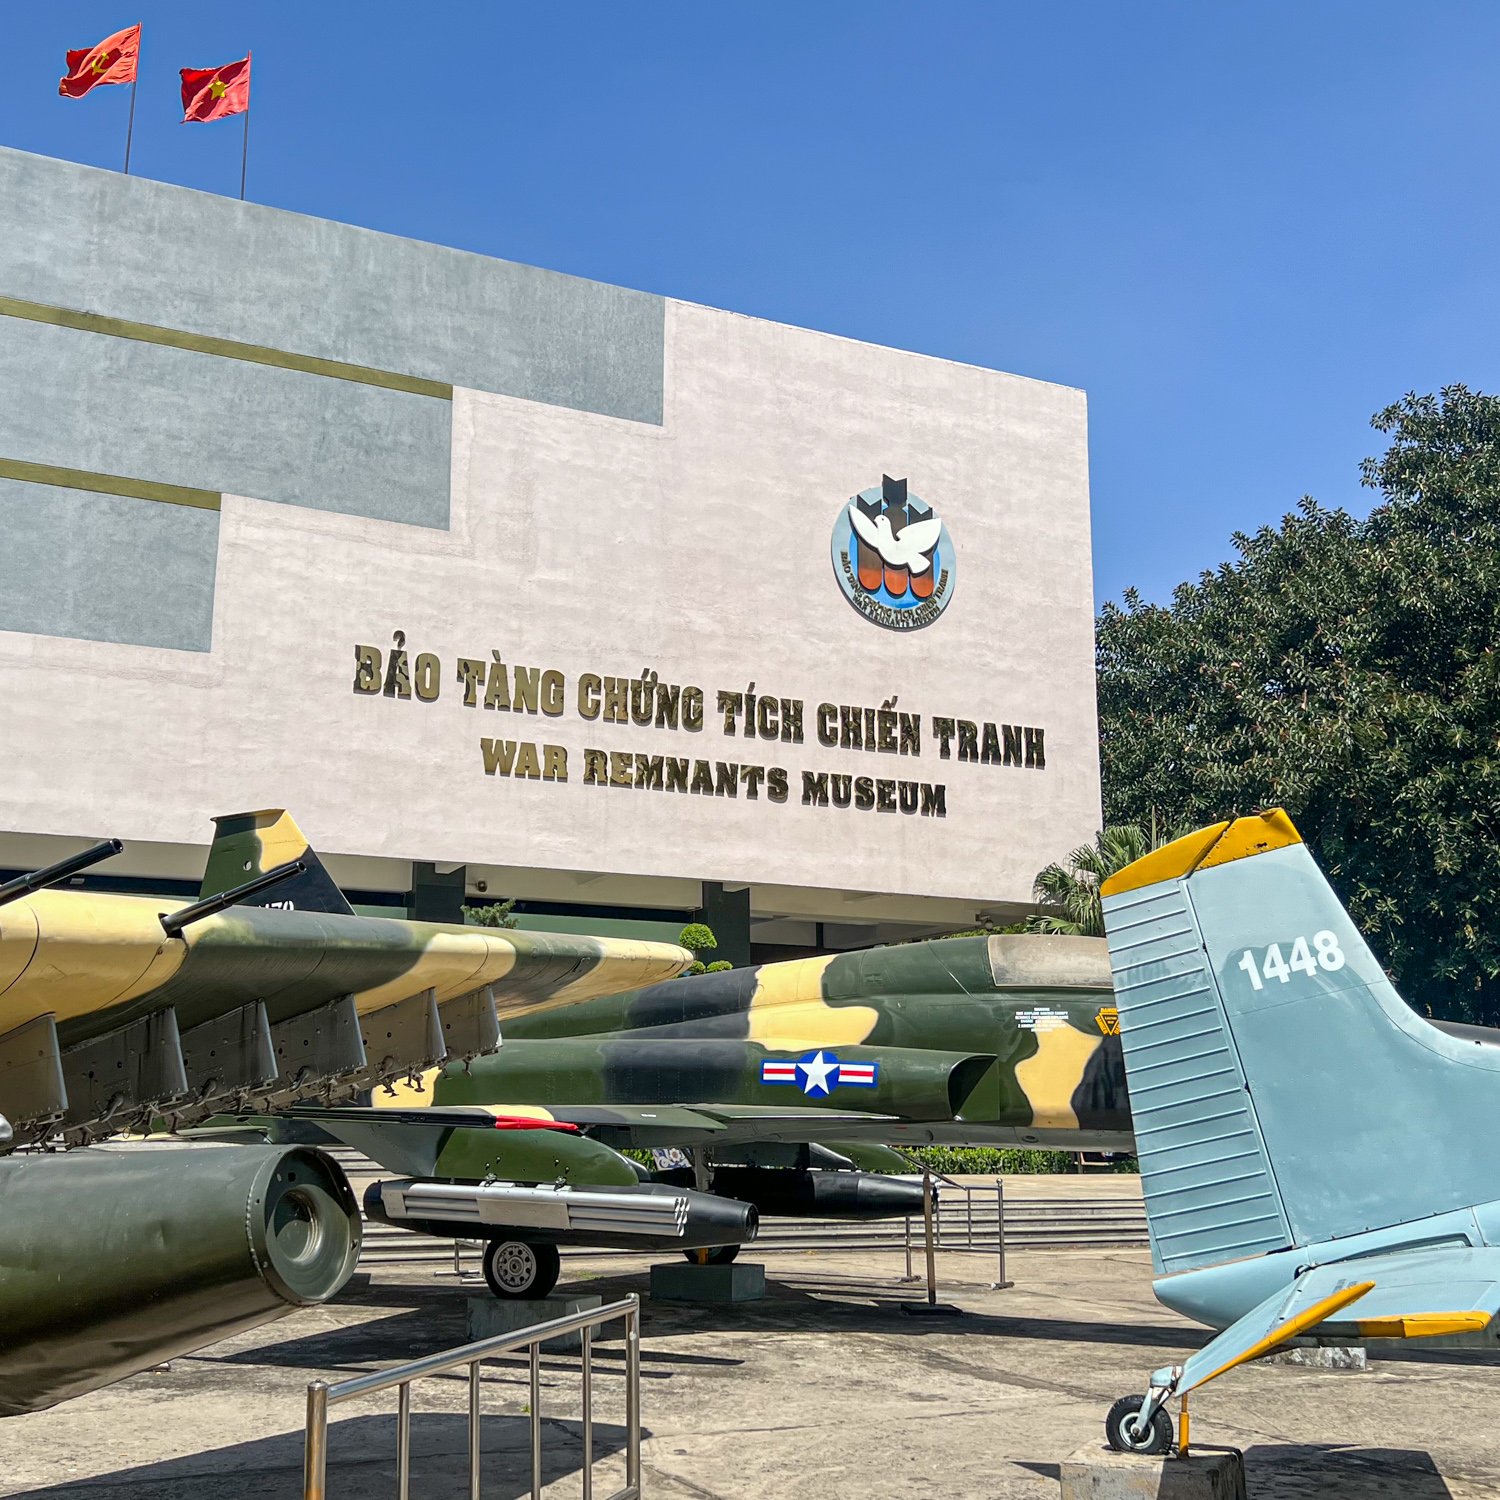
(112, 61)
(213, 93)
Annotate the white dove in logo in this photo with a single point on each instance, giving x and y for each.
(910, 548)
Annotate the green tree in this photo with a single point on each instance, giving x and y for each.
(1069, 894)
(493, 914)
(1347, 670)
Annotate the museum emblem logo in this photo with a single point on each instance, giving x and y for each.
(893, 557)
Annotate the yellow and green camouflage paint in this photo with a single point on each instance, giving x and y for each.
(963, 1040)
(96, 960)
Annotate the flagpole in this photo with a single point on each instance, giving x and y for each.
(130, 127)
(134, 82)
(245, 152)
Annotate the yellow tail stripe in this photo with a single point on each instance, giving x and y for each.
(1217, 844)
(1423, 1325)
(1293, 1326)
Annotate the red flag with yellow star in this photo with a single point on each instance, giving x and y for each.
(215, 93)
(113, 60)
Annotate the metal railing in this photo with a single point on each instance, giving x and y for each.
(321, 1396)
(994, 1243)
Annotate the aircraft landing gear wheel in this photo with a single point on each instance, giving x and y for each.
(1126, 1434)
(717, 1255)
(515, 1269)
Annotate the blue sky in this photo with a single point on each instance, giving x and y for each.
(1240, 229)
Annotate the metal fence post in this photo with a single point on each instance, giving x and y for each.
(633, 1395)
(587, 1336)
(315, 1454)
(403, 1441)
(1001, 1282)
(908, 1277)
(536, 1421)
(474, 1431)
(927, 1226)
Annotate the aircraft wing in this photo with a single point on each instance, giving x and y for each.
(467, 1145)
(723, 1124)
(1403, 1294)
(93, 984)
(644, 1125)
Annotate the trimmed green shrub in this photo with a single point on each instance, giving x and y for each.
(698, 937)
(492, 914)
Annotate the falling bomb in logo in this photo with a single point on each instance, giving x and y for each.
(893, 557)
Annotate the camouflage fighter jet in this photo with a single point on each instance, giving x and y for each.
(1317, 1158)
(268, 990)
(784, 1080)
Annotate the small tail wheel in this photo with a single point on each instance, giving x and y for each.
(1126, 1433)
(516, 1269)
(716, 1255)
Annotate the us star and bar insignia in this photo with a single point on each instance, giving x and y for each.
(819, 1073)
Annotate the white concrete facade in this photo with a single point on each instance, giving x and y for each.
(580, 542)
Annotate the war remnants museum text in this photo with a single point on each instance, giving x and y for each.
(645, 702)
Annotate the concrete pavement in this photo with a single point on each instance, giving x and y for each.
(823, 1389)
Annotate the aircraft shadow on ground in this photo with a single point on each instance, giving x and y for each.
(1291, 1471)
(836, 1304)
(391, 1340)
(361, 1461)
(415, 1333)
(434, 1319)
(823, 1302)
(1277, 1470)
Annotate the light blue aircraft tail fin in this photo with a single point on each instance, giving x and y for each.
(1282, 1091)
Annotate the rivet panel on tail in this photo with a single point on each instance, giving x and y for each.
(1210, 1195)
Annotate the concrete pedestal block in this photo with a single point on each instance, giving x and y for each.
(1102, 1474)
(1331, 1358)
(682, 1281)
(490, 1316)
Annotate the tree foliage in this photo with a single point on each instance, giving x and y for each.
(493, 914)
(1069, 894)
(1347, 670)
(698, 937)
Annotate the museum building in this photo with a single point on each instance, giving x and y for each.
(514, 585)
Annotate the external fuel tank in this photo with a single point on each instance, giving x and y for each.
(114, 1258)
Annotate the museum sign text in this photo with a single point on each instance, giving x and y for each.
(645, 703)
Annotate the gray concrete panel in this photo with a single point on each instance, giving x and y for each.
(97, 241)
(104, 568)
(118, 406)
